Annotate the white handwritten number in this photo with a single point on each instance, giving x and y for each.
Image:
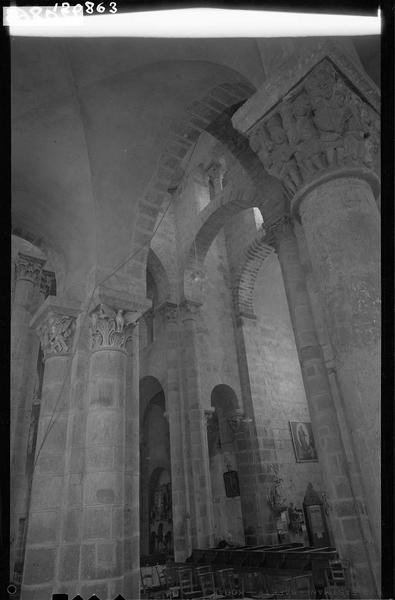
(113, 7)
(89, 7)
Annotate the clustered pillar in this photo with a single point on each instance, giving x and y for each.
(83, 534)
(56, 326)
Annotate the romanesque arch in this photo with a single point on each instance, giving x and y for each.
(210, 221)
(183, 134)
(155, 470)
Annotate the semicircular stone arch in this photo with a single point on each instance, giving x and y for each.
(210, 221)
(254, 256)
(183, 134)
(149, 387)
(224, 396)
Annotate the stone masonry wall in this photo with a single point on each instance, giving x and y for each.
(273, 342)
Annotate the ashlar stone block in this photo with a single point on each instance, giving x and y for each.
(39, 565)
(69, 562)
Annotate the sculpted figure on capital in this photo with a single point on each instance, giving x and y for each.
(110, 327)
(322, 124)
(303, 135)
(275, 151)
(57, 334)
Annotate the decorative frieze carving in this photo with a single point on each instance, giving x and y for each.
(320, 126)
(111, 327)
(57, 334)
(28, 268)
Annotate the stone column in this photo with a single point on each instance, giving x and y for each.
(24, 379)
(176, 417)
(55, 323)
(201, 505)
(341, 224)
(328, 354)
(315, 126)
(110, 496)
(351, 528)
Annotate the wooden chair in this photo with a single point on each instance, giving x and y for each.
(338, 580)
(203, 569)
(171, 574)
(207, 585)
(188, 588)
(299, 586)
(230, 585)
(274, 586)
(151, 587)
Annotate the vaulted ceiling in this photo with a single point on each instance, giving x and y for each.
(90, 118)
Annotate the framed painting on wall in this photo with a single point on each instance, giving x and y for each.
(303, 441)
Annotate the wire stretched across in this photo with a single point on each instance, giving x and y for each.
(52, 420)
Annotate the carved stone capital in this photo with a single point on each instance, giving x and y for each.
(47, 282)
(28, 268)
(319, 116)
(55, 324)
(237, 420)
(148, 315)
(169, 311)
(111, 327)
(190, 309)
(114, 317)
(208, 414)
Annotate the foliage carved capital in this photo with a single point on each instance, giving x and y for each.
(111, 327)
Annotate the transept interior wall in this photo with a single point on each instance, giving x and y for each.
(194, 340)
(272, 343)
